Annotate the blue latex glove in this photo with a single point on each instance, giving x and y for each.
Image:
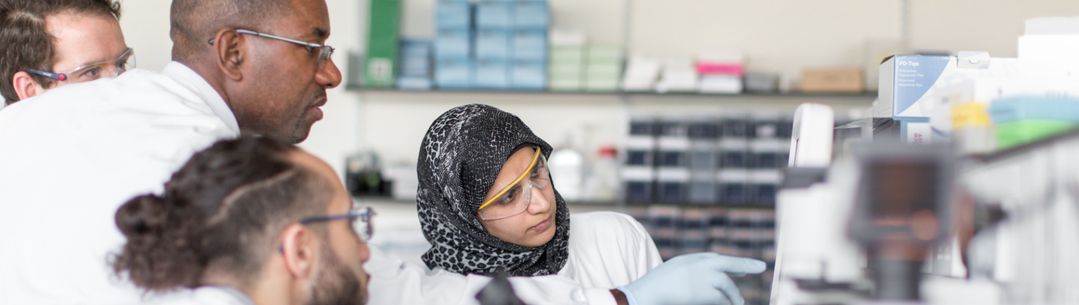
(692, 279)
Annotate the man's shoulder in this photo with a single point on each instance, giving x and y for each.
(201, 296)
(137, 97)
(136, 88)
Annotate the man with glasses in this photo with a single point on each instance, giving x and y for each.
(68, 159)
(71, 157)
(268, 224)
(51, 43)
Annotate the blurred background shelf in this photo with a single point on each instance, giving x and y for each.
(580, 206)
(628, 94)
(609, 102)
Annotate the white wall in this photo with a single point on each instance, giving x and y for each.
(146, 29)
(782, 36)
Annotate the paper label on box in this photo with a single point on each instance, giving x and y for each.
(914, 76)
(917, 132)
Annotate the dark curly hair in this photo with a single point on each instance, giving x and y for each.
(222, 208)
(26, 42)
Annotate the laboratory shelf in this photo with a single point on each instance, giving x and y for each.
(382, 201)
(1070, 136)
(627, 94)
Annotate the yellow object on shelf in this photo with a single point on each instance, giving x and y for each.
(971, 114)
(972, 127)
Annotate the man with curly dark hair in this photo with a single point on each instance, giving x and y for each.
(50, 43)
(266, 223)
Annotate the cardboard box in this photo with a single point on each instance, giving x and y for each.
(840, 80)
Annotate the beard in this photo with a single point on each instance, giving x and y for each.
(336, 284)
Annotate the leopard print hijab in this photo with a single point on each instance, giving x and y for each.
(460, 156)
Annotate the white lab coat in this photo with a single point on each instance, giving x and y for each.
(607, 250)
(210, 295)
(70, 157)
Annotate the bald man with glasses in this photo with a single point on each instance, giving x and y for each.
(70, 158)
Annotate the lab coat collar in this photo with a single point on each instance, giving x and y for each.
(193, 81)
(233, 293)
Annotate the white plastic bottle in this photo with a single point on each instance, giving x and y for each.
(567, 171)
(603, 185)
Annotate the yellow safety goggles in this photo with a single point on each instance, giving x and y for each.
(516, 197)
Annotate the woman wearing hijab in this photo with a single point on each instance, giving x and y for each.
(487, 204)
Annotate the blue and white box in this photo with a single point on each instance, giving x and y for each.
(534, 15)
(497, 16)
(492, 74)
(913, 87)
(529, 75)
(493, 45)
(415, 58)
(453, 15)
(908, 82)
(453, 44)
(454, 73)
(530, 45)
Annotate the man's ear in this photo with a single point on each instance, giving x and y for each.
(25, 86)
(229, 47)
(300, 251)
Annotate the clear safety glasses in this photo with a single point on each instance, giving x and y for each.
(91, 71)
(515, 198)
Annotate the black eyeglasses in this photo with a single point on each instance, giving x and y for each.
(360, 218)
